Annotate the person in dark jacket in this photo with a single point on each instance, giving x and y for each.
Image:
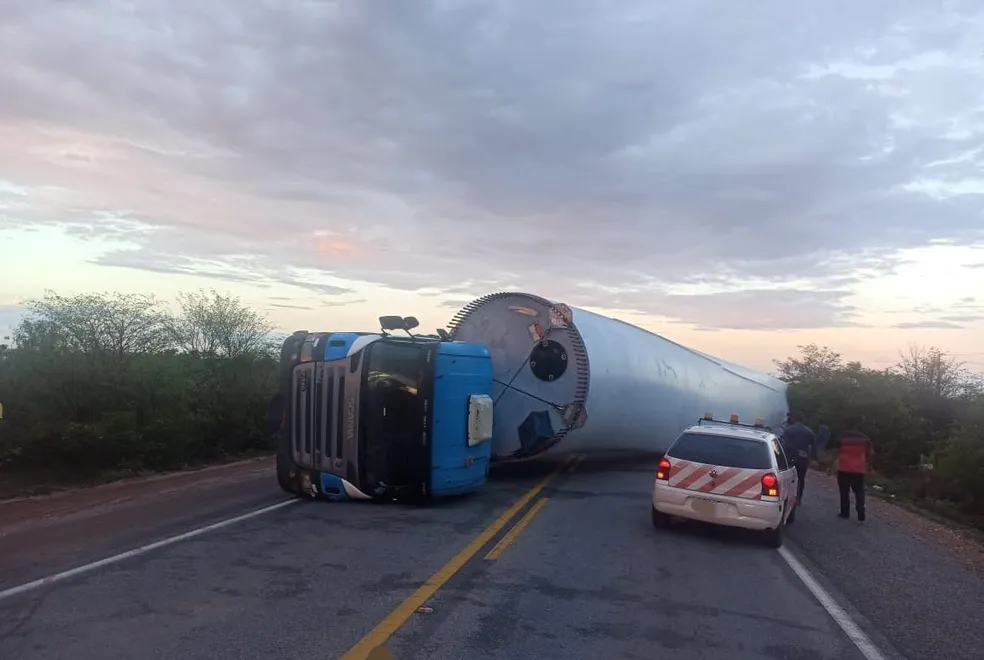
(854, 454)
(799, 442)
(823, 437)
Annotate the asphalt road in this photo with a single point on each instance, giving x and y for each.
(905, 578)
(587, 577)
(45, 535)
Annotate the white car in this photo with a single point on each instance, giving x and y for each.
(727, 473)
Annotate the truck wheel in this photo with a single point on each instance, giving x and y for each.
(660, 519)
(285, 466)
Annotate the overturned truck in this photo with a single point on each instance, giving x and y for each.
(568, 380)
(373, 416)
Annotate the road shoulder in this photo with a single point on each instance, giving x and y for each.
(43, 538)
(901, 571)
(16, 513)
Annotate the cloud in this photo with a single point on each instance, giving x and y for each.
(938, 325)
(291, 303)
(945, 316)
(762, 309)
(964, 310)
(963, 318)
(342, 303)
(495, 144)
(210, 259)
(455, 304)
(286, 306)
(967, 305)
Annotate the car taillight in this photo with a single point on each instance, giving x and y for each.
(770, 485)
(663, 471)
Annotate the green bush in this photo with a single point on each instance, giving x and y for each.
(958, 474)
(102, 383)
(925, 417)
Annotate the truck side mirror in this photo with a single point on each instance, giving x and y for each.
(391, 322)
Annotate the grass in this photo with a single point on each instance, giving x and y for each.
(939, 511)
(905, 493)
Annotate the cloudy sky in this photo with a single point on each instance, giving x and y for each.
(742, 177)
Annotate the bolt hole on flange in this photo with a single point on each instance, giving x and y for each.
(548, 361)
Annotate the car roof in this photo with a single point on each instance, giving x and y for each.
(730, 431)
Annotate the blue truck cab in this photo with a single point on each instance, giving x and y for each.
(376, 416)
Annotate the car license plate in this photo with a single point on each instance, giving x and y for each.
(704, 507)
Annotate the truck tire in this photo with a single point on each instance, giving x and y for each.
(286, 470)
(280, 407)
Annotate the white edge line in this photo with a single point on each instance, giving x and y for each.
(86, 568)
(836, 612)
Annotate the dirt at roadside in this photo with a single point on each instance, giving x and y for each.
(20, 511)
(903, 572)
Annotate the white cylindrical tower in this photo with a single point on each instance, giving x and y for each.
(568, 380)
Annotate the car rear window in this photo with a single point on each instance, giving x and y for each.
(722, 450)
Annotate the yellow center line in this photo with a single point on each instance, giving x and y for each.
(577, 461)
(385, 628)
(517, 529)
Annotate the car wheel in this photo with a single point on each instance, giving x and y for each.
(773, 537)
(791, 518)
(660, 519)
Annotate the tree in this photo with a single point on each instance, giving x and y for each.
(96, 383)
(117, 324)
(213, 325)
(814, 364)
(925, 409)
(931, 371)
(38, 334)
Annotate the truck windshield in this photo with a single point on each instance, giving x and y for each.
(393, 415)
(722, 450)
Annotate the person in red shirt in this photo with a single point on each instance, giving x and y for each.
(854, 453)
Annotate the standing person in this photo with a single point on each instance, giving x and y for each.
(854, 454)
(799, 441)
(823, 436)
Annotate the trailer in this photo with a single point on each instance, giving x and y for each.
(568, 380)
